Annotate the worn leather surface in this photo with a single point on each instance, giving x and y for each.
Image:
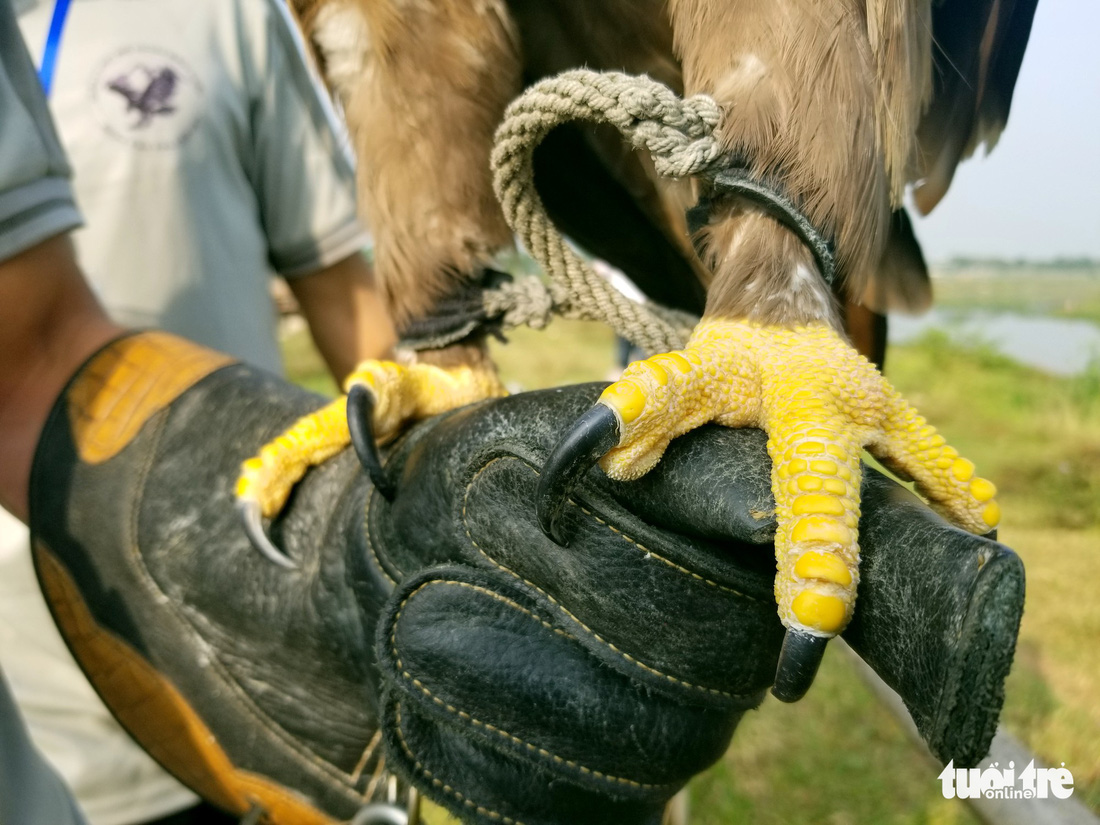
(276, 664)
(584, 683)
(514, 679)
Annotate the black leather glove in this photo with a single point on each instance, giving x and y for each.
(579, 684)
(512, 679)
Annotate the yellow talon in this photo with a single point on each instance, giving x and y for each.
(402, 394)
(820, 528)
(962, 469)
(814, 565)
(820, 403)
(982, 489)
(626, 399)
(819, 612)
(818, 505)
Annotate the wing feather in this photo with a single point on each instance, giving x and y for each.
(978, 46)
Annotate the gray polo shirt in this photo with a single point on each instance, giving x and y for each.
(205, 158)
(36, 200)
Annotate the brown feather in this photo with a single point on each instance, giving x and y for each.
(435, 80)
(825, 96)
(979, 46)
(796, 82)
(901, 283)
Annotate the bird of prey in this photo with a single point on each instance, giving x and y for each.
(147, 91)
(836, 105)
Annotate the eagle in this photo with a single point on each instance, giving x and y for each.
(837, 106)
(146, 91)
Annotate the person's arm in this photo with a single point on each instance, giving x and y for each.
(49, 320)
(58, 325)
(346, 316)
(305, 186)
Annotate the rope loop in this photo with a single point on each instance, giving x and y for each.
(678, 133)
(525, 302)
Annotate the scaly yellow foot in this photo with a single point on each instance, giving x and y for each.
(401, 394)
(820, 402)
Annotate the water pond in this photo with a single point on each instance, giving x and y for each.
(1057, 345)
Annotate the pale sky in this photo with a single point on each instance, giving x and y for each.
(1037, 195)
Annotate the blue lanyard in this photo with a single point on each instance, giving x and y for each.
(53, 41)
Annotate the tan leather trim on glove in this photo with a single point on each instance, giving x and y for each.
(142, 699)
(126, 383)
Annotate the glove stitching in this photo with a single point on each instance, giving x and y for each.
(190, 624)
(420, 768)
(466, 717)
(650, 554)
(610, 646)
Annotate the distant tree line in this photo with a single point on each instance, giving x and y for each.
(964, 262)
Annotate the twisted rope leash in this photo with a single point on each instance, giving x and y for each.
(677, 132)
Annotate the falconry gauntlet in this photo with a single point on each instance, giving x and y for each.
(437, 633)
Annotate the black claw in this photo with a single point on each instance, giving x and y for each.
(253, 524)
(360, 415)
(798, 663)
(595, 432)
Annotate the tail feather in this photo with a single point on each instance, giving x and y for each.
(901, 282)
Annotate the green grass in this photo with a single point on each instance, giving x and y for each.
(838, 757)
(1036, 435)
(566, 352)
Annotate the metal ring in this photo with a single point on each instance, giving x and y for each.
(381, 813)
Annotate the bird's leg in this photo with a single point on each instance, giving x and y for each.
(820, 402)
(808, 112)
(423, 88)
(769, 353)
(382, 398)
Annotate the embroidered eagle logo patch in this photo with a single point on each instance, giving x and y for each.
(147, 91)
(148, 97)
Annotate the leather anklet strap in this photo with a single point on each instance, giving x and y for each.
(740, 182)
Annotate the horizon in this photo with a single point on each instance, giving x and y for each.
(1033, 196)
(1059, 262)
